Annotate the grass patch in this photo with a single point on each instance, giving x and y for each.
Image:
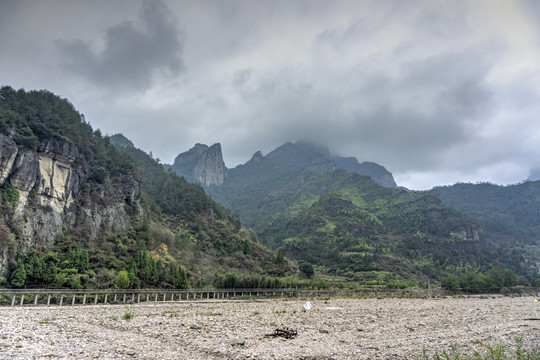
(128, 316)
(255, 313)
(486, 352)
(170, 313)
(210, 314)
(44, 321)
(282, 311)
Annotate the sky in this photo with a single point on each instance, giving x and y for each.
(436, 91)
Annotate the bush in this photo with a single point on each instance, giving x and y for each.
(307, 269)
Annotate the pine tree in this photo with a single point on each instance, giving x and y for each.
(84, 262)
(183, 283)
(50, 272)
(18, 278)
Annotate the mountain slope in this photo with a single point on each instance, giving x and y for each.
(260, 187)
(508, 214)
(77, 211)
(349, 224)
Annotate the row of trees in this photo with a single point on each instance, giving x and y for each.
(495, 279)
(252, 281)
(145, 270)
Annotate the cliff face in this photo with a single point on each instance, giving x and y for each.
(202, 164)
(54, 195)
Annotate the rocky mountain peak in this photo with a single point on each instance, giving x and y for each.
(202, 164)
(258, 156)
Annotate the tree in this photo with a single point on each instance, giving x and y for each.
(179, 277)
(307, 269)
(84, 263)
(280, 258)
(450, 282)
(35, 269)
(50, 272)
(18, 277)
(122, 279)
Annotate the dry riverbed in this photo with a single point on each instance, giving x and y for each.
(333, 329)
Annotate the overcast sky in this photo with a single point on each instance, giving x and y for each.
(436, 91)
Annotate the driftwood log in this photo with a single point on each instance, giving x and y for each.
(285, 332)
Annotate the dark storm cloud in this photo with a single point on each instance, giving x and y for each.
(133, 53)
(425, 108)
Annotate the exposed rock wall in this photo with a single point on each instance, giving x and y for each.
(54, 194)
(202, 164)
(8, 153)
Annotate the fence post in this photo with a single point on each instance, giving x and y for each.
(22, 299)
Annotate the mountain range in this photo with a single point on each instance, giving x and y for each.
(79, 209)
(285, 198)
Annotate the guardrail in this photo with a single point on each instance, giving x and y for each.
(62, 297)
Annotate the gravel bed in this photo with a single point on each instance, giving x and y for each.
(214, 329)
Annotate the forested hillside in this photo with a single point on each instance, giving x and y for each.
(78, 212)
(509, 216)
(350, 226)
(79, 209)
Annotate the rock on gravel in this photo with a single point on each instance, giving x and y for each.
(332, 329)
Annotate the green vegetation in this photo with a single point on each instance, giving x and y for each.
(343, 229)
(210, 314)
(128, 316)
(179, 239)
(496, 278)
(353, 228)
(508, 217)
(486, 352)
(251, 281)
(18, 277)
(37, 115)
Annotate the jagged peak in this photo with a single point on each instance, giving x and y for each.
(215, 147)
(202, 164)
(258, 156)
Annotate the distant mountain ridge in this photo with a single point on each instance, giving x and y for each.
(205, 165)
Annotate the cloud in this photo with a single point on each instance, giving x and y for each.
(431, 90)
(133, 54)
